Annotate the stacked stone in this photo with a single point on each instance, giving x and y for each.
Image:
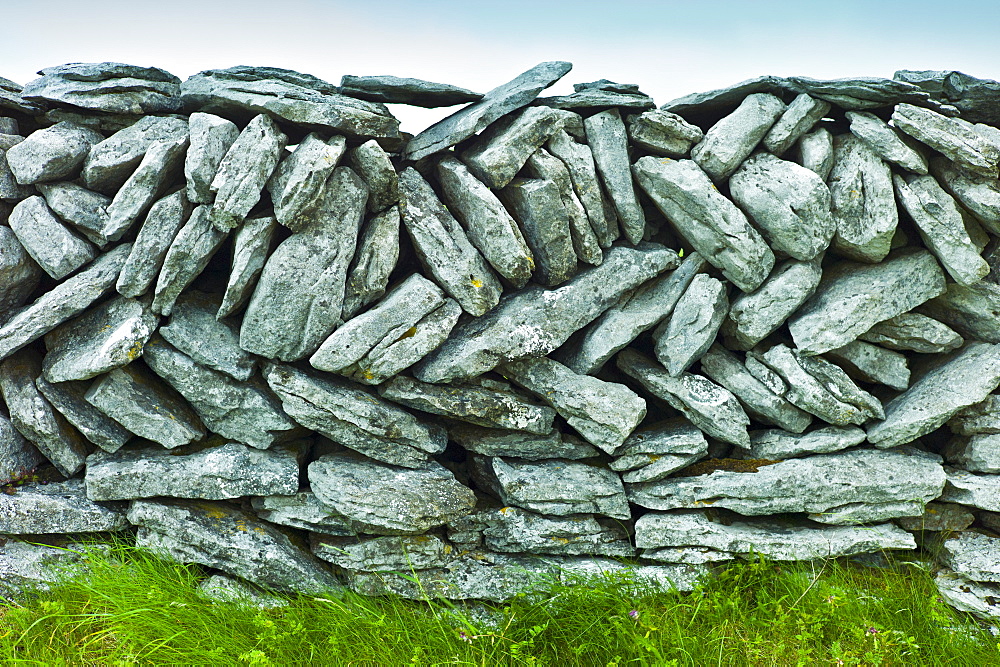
(245, 317)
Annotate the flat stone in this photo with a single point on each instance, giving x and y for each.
(712, 224)
(862, 199)
(970, 489)
(954, 138)
(112, 161)
(536, 321)
(66, 300)
(302, 510)
(609, 144)
(975, 453)
(538, 206)
(231, 591)
(299, 99)
(970, 309)
(55, 248)
(572, 125)
(69, 399)
(27, 569)
(251, 245)
(816, 152)
(982, 417)
(544, 165)
(579, 160)
(107, 87)
(731, 140)
(374, 261)
(972, 555)
(851, 298)
(10, 189)
(106, 337)
(693, 325)
(19, 275)
(211, 137)
(375, 168)
(972, 597)
(980, 195)
(52, 154)
(10, 98)
(80, 207)
(886, 142)
(354, 418)
(297, 183)
(18, 457)
(776, 444)
(220, 536)
(871, 363)
(726, 369)
(35, 418)
(444, 249)
(390, 553)
(56, 508)
(164, 221)
(939, 517)
(158, 167)
(497, 154)
(710, 407)
(245, 169)
(188, 255)
(519, 444)
(603, 413)
(194, 330)
(789, 203)
(653, 452)
(399, 90)
(553, 487)
(590, 99)
(796, 120)
(472, 119)
(514, 530)
(966, 378)
(915, 332)
(298, 299)
(972, 96)
(143, 404)
(387, 500)
(663, 133)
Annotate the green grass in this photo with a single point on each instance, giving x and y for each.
(135, 609)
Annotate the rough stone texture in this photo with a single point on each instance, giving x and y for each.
(18, 457)
(939, 517)
(27, 568)
(55, 248)
(816, 152)
(514, 530)
(963, 380)
(708, 221)
(220, 536)
(851, 298)
(244, 170)
(56, 508)
(538, 206)
(777, 444)
(913, 331)
(35, 418)
(149, 180)
(976, 453)
(663, 133)
(497, 154)
(871, 363)
(165, 219)
(710, 407)
(400, 90)
(980, 195)
(544, 165)
(106, 337)
(387, 500)
(211, 138)
(390, 553)
(355, 418)
(194, 330)
(519, 444)
(862, 200)
(972, 555)
(188, 255)
(94, 425)
(227, 590)
(251, 245)
(590, 99)
(954, 138)
(107, 87)
(653, 452)
(298, 299)
(297, 183)
(796, 120)
(112, 161)
(753, 317)
(693, 325)
(609, 143)
(85, 210)
(302, 510)
(52, 154)
(579, 160)
(971, 310)
(983, 417)
(973, 597)
(500, 101)
(975, 98)
(19, 274)
(730, 141)
(886, 142)
(813, 484)
(970, 489)
(375, 168)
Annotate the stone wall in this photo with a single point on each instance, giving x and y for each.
(246, 319)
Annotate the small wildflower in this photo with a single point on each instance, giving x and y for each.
(872, 631)
(634, 614)
(464, 637)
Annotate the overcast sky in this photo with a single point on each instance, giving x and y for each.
(668, 48)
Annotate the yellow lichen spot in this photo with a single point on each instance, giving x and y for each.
(504, 510)
(653, 458)
(477, 283)
(368, 375)
(447, 549)
(410, 333)
(680, 253)
(421, 539)
(215, 514)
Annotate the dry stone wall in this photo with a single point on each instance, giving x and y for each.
(247, 320)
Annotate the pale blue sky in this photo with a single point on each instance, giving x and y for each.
(669, 48)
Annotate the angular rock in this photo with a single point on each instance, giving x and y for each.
(913, 331)
(777, 444)
(939, 517)
(375, 168)
(231, 591)
(591, 99)
(981, 418)
(732, 139)
(107, 87)
(149, 180)
(538, 206)
(975, 453)
(653, 452)
(52, 154)
(194, 330)
(755, 316)
(303, 510)
(112, 161)
(519, 444)
(18, 457)
(164, 221)
(970, 489)
(55, 248)
(374, 261)
(585, 242)
(864, 207)
(579, 160)
(10, 98)
(211, 138)
(693, 325)
(94, 425)
(954, 138)
(514, 530)
(19, 274)
(32, 568)
(971, 310)
(886, 142)
(871, 363)
(496, 155)
(979, 194)
(796, 120)
(188, 255)
(973, 597)
(297, 183)
(390, 553)
(975, 98)
(816, 152)
(609, 143)
(972, 555)
(251, 245)
(56, 508)
(663, 133)
(85, 210)
(387, 500)
(712, 224)
(399, 90)
(10, 189)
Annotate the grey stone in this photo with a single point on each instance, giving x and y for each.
(982, 417)
(52, 154)
(603, 413)
(374, 261)
(33, 568)
(393, 356)
(110, 162)
(375, 168)
(663, 577)
(886, 142)
(10, 98)
(243, 172)
(609, 144)
(444, 249)
(56, 508)
(589, 99)
(554, 486)
(538, 206)
(975, 453)
(299, 99)
(777, 444)
(55, 248)
(94, 425)
(164, 221)
(35, 418)
(796, 120)
(851, 298)
(966, 378)
(514, 530)
(543, 165)
(298, 300)
(655, 451)
(107, 87)
(712, 224)
(18, 457)
(973, 597)
(489, 226)
(230, 591)
(693, 325)
(158, 167)
(979, 194)
(210, 139)
(663, 133)
(871, 363)
(954, 138)
(535, 321)
(913, 331)
(19, 275)
(388, 500)
(939, 517)
(146, 406)
(789, 203)
(403, 553)
(251, 245)
(85, 210)
(970, 309)
(519, 444)
(218, 535)
(302, 510)
(726, 369)
(731, 140)
(815, 152)
(194, 330)
(10, 189)
(972, 555)
(864, 206)
(297, 183)
(400, 90)
(352, 417)
(572, 124)
(975, 98)
(966, 488)
(106, 337)
(188, 255)
(496, 155)
(579, 160)
(500, 101)
(710, 407)
(66, 300)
